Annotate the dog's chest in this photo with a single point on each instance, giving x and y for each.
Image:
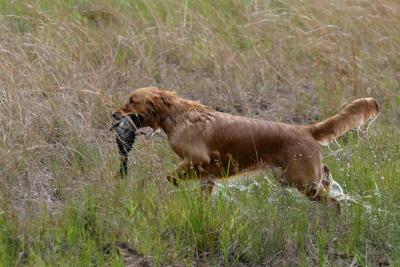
(188, 141)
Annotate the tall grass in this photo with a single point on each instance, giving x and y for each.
(65, 65)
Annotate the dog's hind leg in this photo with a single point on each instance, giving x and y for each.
(317, 192)
(308, 175)
(327, 178)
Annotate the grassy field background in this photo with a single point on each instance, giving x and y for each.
(65, 65)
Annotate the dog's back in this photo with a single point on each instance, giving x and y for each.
(250, 142)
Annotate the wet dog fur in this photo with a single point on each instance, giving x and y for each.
(217, 145)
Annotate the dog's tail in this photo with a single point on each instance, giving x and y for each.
(352, 116)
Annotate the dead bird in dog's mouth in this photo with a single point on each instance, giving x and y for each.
(125, 128)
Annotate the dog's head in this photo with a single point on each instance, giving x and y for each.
(150, 104)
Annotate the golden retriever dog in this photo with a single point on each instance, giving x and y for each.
(218, 145)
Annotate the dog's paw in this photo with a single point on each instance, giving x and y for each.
(172, 179)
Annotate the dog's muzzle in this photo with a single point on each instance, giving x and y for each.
(116, 115)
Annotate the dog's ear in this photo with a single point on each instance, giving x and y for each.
(167, 96)
(161, 101)
(155, 109)
(154, 104)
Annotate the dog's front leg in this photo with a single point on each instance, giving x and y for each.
(180, 172)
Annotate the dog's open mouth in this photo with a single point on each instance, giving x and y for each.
(126, 128)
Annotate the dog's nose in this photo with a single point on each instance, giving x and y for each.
(115, 115)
